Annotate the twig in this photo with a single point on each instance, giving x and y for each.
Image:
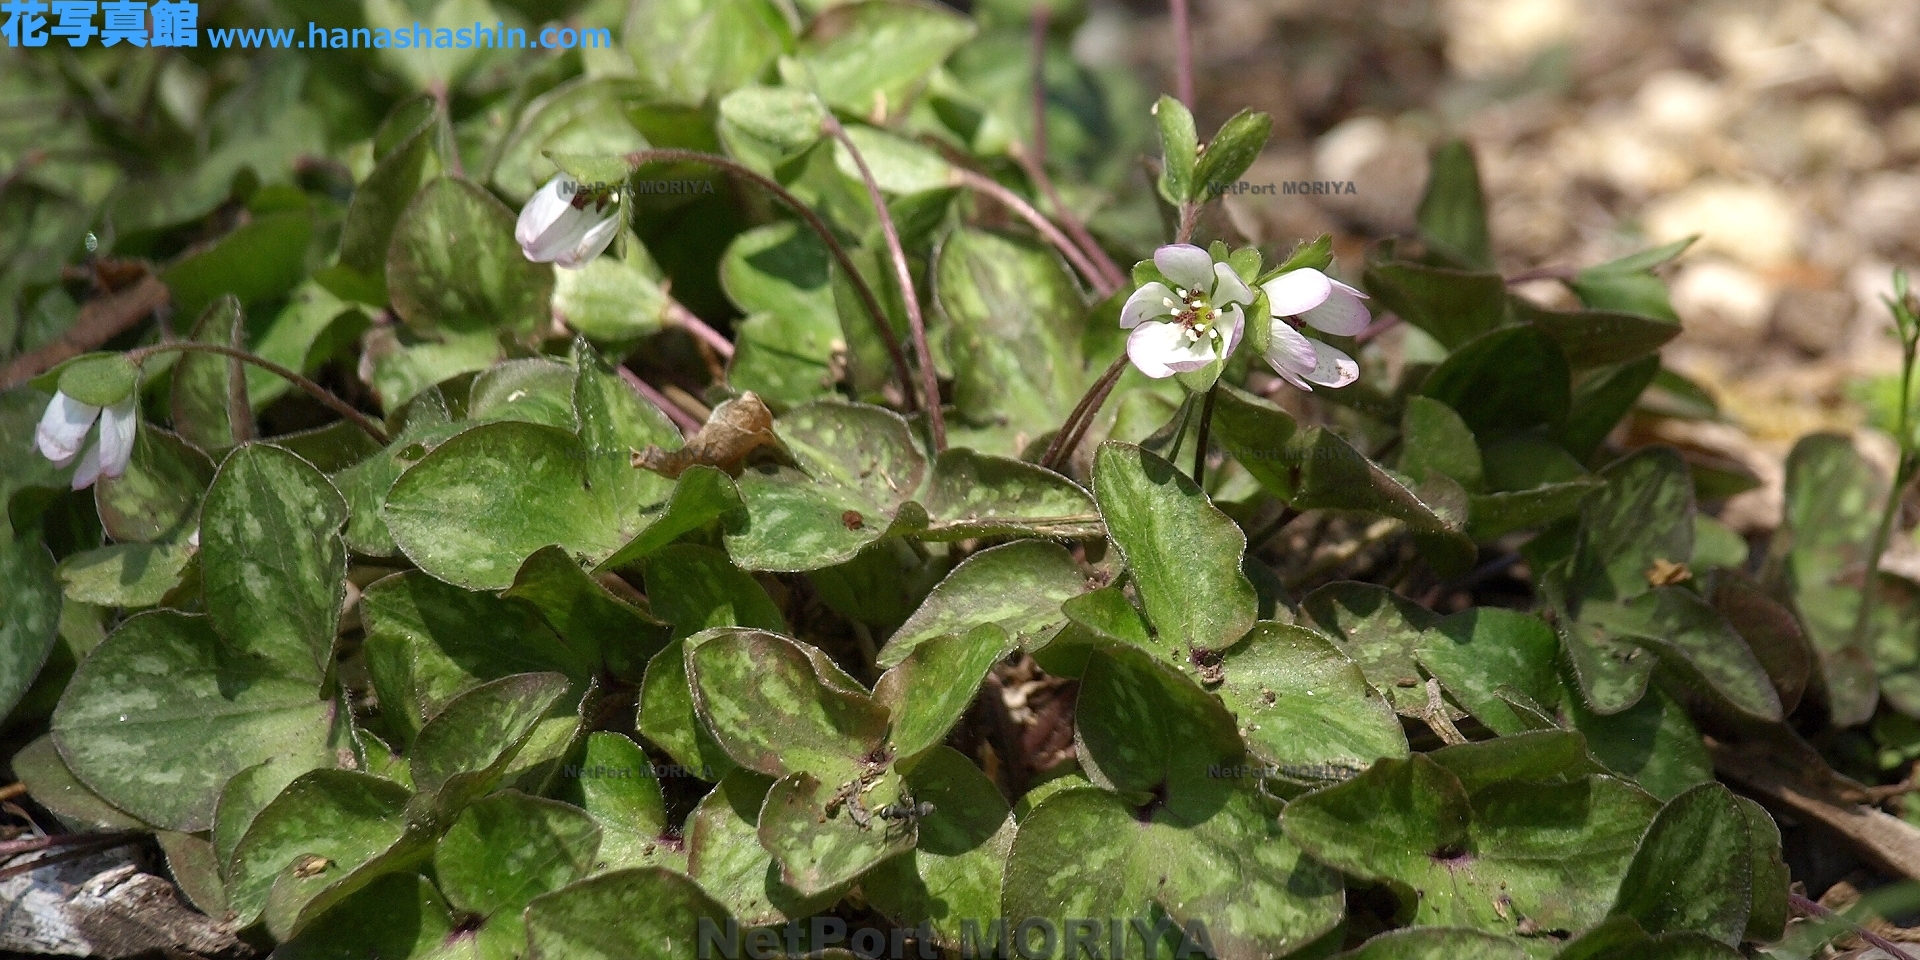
(13, 791)
(77, 852)
(679, 316)
(14, 848)
(685, 421)
(1073, 428)
(101, 319)
(1101, 284)
(903, 274)
(860, 286)
(1182, 53)
(312, 389)
(1812, 909)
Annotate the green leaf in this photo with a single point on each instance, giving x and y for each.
(340, 817)
(1435, 439)
(1494, 515)
(779, 708)
(927, 692)
(1696, 642)
(775, 123)
(53, 786)
(397, 915)
(1653, 743)
(1513, 853)
(1694, 868)
(609, 299)
(531, 390)
(427, 642)
(1198, 843)
(1601, 401)
(870, 58)
(688, 53)
(257, 262)
(1302, 706)
(453, 264)
(1767, 917)
(978, 495)
(1179, 150)
(1833, 500)
(859, 459)
(820, 852)
(468, 746)
(1452, 306)
(781, 275)
(605, 629)
(29, 613)
(1017, 322)
(1231, 151)
(592, 116)
(1628, 285)
(122, 575)
(725, 856)
(1019, 586)
(200, 395)
(1183, 552)
(1438, 943)
(410, 133)
(162, 752)
(505, 850)
(669, 720)
(1453, 213)
(617, 785)
(1597, 338)
(953, 873)
(99, 379)
(1483, 654)
(611, 916)
(898, 166)
(1645, 515)
(272, 561)
(1505, 381)
(696, 588)
(158, 497)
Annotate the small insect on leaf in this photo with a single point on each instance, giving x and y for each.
(311, 866)
(852, 520)
(1666, 573)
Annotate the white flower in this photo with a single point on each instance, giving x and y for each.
(1185, 327)
(1324, 304)
(63, 430)
(566, 224)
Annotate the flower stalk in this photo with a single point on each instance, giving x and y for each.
(312, 389)
(1907, 324)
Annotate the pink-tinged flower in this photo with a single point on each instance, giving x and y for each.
(566, 224)
(1323, 303)
(1186, 326)
(62, 437)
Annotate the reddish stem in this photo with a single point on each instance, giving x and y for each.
(685, 421)
(1013, 201)
(1183, 53)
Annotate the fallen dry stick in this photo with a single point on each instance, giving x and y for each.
(101, 319)
(1888, 841)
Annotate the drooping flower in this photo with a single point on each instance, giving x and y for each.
(63, 432)
(566, 224)
(1311, 297)
(1186, 326)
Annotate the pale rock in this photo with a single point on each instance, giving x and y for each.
(1722, 302)
(1835, 130)
(1753, 223)
(1816, 321)
(1342, 151)
(1680, 103)
(1638, 164)
(1504, 36)
(1903, 133)
(1885, 210)
(1388, 167)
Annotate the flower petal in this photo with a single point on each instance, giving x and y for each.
(1291, 354)
(1161, 350)
(1333, 367)
(63, 428)
(1147, 303)
(89, 469)
(1232, 323)
(1342, 315)
(544, 208)
(117, 424)
(1297, 291)
(1228, 287)
(592, 243)
(1186, 265)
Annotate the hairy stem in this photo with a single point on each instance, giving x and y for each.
(1182, 53)
(903, 274)
(1013, 201)
(1074, 428)
(1202, 439)
(820, 228)
(312, 389)
(682, 419)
